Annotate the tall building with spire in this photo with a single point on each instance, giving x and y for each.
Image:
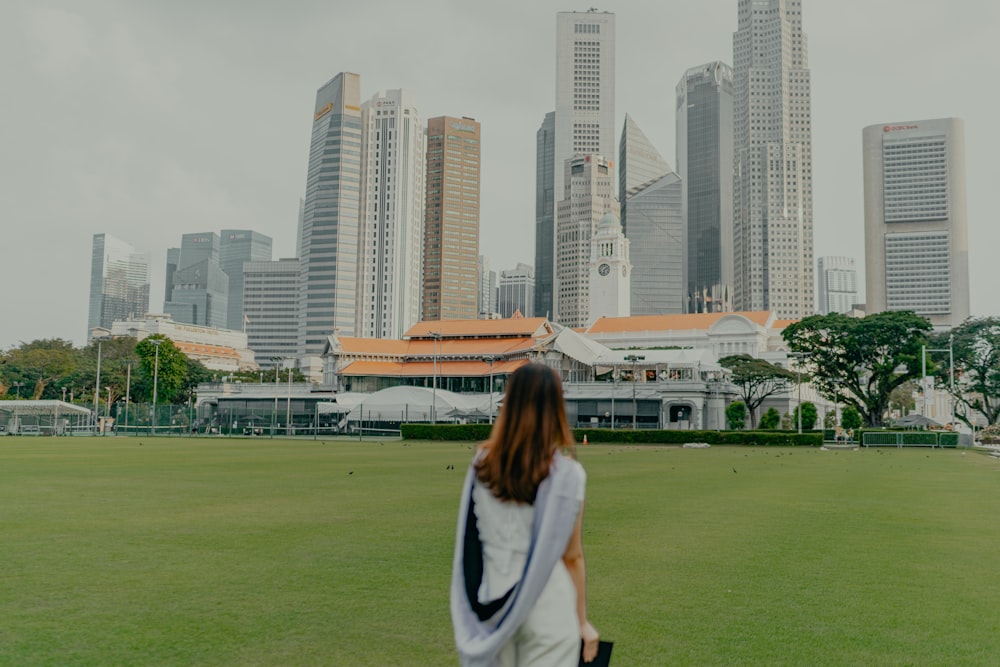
(119, 282)
(705, 163)
(772, 203)
(328, 240)
(451, 219)
(610, 271)
(392, 215)
(588, 194)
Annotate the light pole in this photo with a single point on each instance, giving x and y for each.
(97, 382)
(798, 381)
(951, 373)
(635, 416)
(17, 389)
(437, 336)
(288, 406)
(274, 413)
(128, 389)
(490, 359)
(156, 375)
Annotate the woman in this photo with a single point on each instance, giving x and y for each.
(518, 592)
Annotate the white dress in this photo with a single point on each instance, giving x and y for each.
(550, 636)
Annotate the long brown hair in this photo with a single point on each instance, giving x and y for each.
(531, 426)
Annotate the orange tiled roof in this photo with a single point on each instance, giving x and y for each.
(428, 346)
(427, 368)
(519, 326)
(670, 322)
(781, 324)
(206, 350)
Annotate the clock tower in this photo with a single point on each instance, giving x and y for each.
(610, 271)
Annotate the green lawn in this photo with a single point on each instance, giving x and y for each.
(171, 551)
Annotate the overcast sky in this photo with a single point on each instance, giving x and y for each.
(150, 119)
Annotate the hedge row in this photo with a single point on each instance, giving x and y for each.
(479, 432)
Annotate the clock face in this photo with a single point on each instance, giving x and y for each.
(604, 269)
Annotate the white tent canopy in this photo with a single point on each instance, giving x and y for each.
(409, 404)
(42, 407)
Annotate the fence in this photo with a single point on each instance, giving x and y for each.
(909, 439)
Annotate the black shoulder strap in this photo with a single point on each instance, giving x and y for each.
(472, 567)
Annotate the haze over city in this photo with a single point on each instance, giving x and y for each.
(151, 120)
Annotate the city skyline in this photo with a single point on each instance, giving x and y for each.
(157, 142)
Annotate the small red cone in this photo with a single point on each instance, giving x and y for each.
(585, 438)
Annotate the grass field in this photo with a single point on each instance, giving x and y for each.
(141, 551)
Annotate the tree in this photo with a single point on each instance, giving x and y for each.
(850, 417)
(809, 416)
(38, 364)
(860, 361)
(770, 420)
(976, 349)
(757, 379)
(169, 369)
(736, 415)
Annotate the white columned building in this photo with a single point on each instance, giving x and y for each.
(610, 271)
(392, 215)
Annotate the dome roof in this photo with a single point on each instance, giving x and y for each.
(609, 220)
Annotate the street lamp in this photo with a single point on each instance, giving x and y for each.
(156, 375)
(274, 413)
(17, 389)
(490, 359)
(635, 416)
(97, 383)
(437, 336)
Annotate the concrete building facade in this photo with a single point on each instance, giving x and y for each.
(610, 271)
(236, 247)
(773, 201)
(916, 227)
(836, 285)
(451, 219)
(270, 306)
(392, 215)
(587, 196)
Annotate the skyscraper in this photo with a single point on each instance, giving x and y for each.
(392, 215)
(836, 285)
(270, 306)
(451, 219)
(705, 164)
(487, 292)
(916, 234)
(236, 247)
(583, 123)
(772, 208)
(329, 221)
(639, 163)
(199, 289)
(516, 291)
(588, 194)
(585, 88)
(119, 282)
(545, 217)
(658, 249)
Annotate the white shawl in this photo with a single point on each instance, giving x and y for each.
(557, 505)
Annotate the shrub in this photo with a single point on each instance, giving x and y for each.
(850, 417)
(770, 420)
(809, 416)
(736, 415)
